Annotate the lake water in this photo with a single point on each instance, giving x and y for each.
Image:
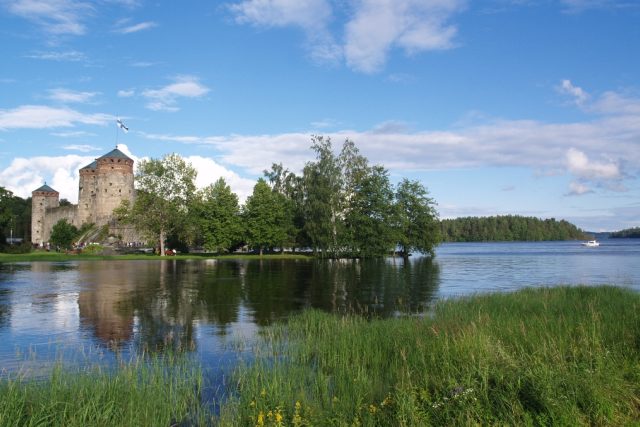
(98, 311)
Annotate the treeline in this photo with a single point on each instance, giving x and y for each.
(15, 218)
(626, 233)
(339, 206)
(508, 228)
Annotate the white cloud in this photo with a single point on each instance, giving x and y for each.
(56, 17)
(601, 152)
(372, 29)
(578, 189)
(71, 96)
(136, 27)
(209, 171)
(165, 98)
(61, 172)
(73, 134)
(579, 164)
(83, 148)
(577, 93)
(60, 56)
(412, 25)
(41, 117)
(126, 93)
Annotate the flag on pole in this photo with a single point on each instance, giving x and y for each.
(122, 126)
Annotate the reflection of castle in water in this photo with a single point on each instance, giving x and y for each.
(172, 303)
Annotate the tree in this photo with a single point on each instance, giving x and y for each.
(165, 189)
(218, 214)
(322, 197)
(264, 218)
(417, 219)
(370, 216)
(63, 234)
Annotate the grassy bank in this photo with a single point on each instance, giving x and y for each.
(61, 256)
(564, 356)
(561, 356)
(163, 392)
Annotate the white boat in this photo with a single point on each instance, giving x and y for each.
(591, 243)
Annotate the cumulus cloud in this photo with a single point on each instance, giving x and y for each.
(56, 17)
(579, 165)
(42, 116)
(372, 29)
(71, 96)
(412, 25)
(209, 171)
(165, 98)
(60, 172)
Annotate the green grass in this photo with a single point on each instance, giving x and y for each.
(554, 356)
(162, 392)
(60, 256)
(562, 356)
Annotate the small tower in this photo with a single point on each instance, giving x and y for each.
(41, 199)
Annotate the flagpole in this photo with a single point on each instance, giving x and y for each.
(117, 132)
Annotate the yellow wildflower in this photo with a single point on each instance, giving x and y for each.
(260, 421)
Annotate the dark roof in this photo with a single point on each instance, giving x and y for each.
(91, 165)
(115, 154)
(46, 188)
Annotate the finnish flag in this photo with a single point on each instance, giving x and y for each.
(122, 126)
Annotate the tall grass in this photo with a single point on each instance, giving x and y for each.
(561, 356)
(160, 392)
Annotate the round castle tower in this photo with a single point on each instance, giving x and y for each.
(41, 199)
(103, 185)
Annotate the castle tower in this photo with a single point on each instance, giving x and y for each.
(41, 199)
(113, 183)
(87, 193)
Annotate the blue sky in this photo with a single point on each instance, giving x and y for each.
(528, 107)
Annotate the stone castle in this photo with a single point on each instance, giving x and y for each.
(104, 184)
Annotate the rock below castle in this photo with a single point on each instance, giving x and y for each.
(104, 184)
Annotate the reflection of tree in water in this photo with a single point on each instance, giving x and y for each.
(375, 287)
(275, 288)
(158, 303)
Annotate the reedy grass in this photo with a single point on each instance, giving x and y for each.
(551, 356)
(157, 392)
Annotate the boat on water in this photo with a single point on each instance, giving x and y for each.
(591, 243)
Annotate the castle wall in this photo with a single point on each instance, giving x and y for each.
(53, 215)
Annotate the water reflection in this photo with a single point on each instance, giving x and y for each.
(154, 305)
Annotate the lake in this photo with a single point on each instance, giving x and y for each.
(100, 311)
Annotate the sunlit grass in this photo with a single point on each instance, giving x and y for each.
(556, 356)
(562, 356)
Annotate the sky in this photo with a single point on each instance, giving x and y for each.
(522, 107)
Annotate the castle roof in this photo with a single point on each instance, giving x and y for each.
(115, 154)
(91, 165)
(46, 188)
